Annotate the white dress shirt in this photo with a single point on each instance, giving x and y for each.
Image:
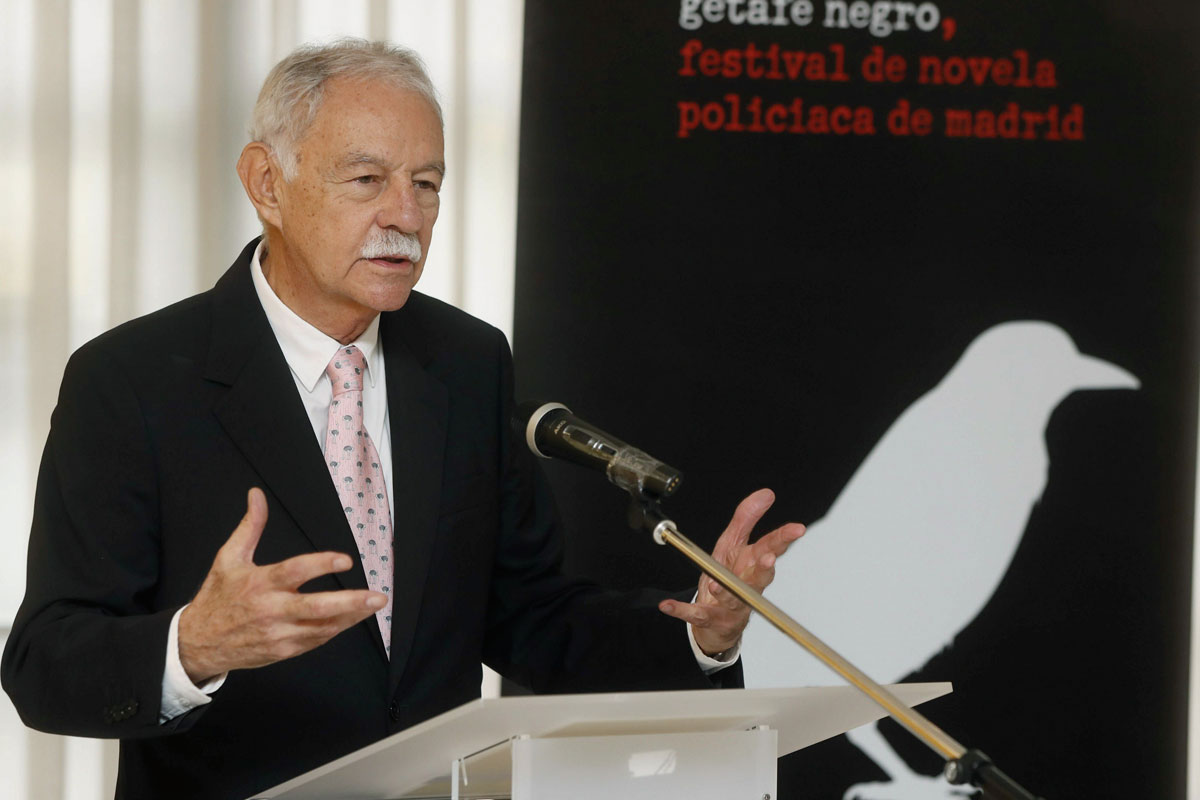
(307, 352)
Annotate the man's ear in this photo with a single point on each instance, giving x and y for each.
(262, 179)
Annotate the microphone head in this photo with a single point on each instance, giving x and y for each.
(528, 416)
(550, 430)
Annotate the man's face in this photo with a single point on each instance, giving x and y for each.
(370, 166)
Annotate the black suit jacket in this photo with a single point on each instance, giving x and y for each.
(162, 426)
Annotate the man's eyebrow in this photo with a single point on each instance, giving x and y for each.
(437, 166)
(355, 158)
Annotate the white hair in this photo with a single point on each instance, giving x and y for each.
(292, 93)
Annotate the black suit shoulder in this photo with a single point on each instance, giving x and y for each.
(180, 327)
(437, 330)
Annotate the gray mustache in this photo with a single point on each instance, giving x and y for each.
(392, 244)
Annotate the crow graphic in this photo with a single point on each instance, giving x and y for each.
(919, 539)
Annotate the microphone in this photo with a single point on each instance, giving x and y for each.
(552, 431)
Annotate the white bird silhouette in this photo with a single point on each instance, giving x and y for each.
(919, 539)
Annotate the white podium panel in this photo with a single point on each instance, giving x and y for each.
(734, 765)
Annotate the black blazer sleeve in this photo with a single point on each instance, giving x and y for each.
(93, 565)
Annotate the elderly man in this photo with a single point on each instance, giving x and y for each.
(315, 389)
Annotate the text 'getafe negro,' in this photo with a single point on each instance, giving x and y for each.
(881, 17)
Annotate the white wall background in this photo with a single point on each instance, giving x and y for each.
(120, 123)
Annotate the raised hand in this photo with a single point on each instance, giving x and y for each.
(247, 615)
(716, 616)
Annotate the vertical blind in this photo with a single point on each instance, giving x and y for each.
(120, 124)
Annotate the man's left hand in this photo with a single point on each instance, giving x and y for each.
(716, 616)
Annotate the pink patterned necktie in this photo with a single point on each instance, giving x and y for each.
(354, 465)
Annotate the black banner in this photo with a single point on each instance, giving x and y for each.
(928, 271)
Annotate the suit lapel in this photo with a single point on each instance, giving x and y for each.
(264, 416)
(417, 409)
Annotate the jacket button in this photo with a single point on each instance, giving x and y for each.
(394, 711)
(120, 712)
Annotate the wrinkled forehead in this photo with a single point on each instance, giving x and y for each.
(374, 122)
(381, 96)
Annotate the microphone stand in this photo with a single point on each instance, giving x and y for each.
(963, 766)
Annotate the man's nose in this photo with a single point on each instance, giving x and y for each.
(401, 209)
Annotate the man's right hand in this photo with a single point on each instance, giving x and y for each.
(249, 616)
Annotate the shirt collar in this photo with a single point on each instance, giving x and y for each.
(306, 349)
